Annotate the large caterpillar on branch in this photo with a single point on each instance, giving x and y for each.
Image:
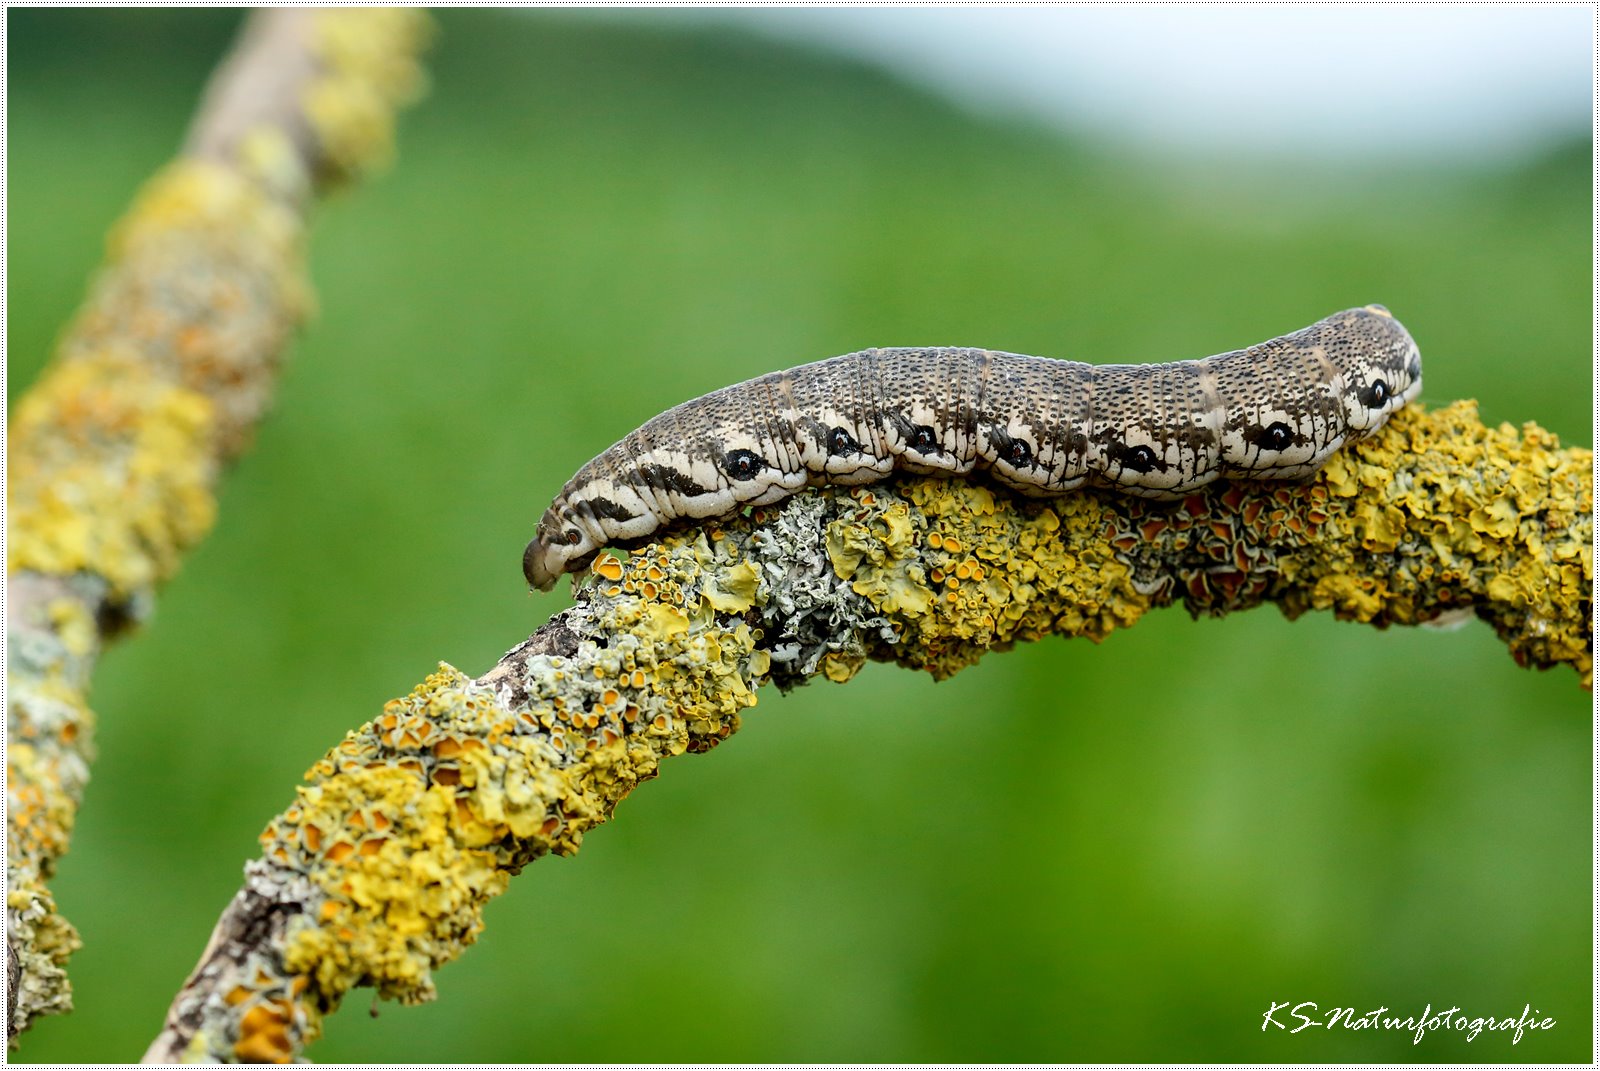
(1276, 410)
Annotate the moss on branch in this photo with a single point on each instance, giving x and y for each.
(377, 873)
(115, 453)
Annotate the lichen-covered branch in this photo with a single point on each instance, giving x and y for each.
(378, 871)
(115, 453)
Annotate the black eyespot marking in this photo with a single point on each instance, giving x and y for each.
(1275, 436)
(1138, 459)
(572, 536)
(1375, 395)
(924, 440)
(842, 442)
(1414, 369)
(1017, 454)
(742, 464)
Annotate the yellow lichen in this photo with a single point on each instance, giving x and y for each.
(966, 571)
(113, 455)
(370, 67)
(114, 452)
(204, 204)
(732, 590)
(1434, 514)
(839, 668)
(50, 732)
(412, 822)
(418, 854)
(426, 875)
(110, 473)
(1496, 519)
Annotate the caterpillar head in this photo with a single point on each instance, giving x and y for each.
(561, 544)
(1386, 375)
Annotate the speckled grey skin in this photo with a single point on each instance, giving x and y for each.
(1276, 410)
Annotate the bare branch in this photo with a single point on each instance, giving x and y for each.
(115, 453)
(378, 871)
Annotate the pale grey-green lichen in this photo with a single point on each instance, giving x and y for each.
(810, 619)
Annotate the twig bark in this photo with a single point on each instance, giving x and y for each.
(114, 454)
(377, 872)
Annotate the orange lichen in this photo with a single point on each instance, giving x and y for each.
(264, 1034)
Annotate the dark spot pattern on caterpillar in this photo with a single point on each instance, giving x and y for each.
(1276, 436)
(1276, 410)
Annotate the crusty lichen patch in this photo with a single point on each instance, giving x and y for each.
(961, 569)
(416, 819)
(46, 767)
(1434, 515)
(110, 473)
(1443, 513)
(50, 741)
(114, 454)
(408, 826)
(169, 365)
(370, 68)
(112, 458)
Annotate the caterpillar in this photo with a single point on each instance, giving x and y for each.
(1276, 410)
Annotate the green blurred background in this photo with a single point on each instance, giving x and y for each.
(1069, 852)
